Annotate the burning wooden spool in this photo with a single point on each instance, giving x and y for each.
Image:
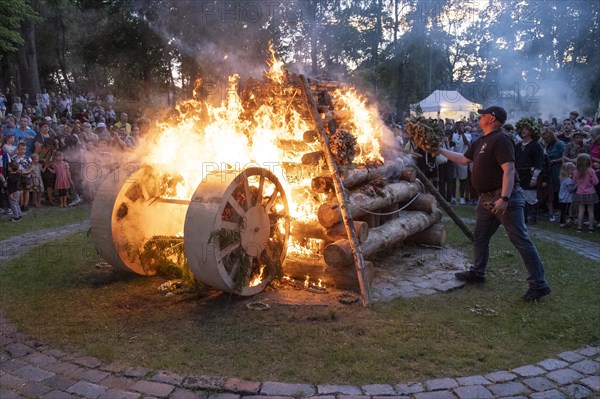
(235, 228)
(236, 231)
(124, 216)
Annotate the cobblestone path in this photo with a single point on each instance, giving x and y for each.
(31, 369)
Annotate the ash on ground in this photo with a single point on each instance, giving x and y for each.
(413, 270)
(409, 271)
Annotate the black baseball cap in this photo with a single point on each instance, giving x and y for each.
(498, 112)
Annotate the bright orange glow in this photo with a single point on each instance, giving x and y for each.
(258, 279)
(360, 119)
(215, 138)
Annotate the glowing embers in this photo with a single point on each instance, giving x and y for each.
(316, 286)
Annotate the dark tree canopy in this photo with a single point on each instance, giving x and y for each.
(396, 51)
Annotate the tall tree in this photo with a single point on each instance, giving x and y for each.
(27, 58)
(13, 13)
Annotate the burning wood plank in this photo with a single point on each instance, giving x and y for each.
(312, 158)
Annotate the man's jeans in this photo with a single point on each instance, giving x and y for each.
(514, 225)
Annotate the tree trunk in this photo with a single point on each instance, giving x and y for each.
(360, 204)
(375, 45)
(5, 66)
(339, 253)
(27, 58)
(61, 50)
(314, 38)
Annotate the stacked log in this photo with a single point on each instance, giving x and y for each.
(388, 204)
(336, 232)
(339, 253)
(401, 212)
(361, 204)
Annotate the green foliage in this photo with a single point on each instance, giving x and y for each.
(426, 133)
(164, 254)
(532, 124)
(13, 12)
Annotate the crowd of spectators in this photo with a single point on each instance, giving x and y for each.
(49, 142)
(560, 143)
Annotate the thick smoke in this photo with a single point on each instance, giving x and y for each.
(533, 53)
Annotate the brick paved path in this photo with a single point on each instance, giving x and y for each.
(30, 369)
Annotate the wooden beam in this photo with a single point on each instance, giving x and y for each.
(359, 264)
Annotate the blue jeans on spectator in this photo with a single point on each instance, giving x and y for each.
(514, 224)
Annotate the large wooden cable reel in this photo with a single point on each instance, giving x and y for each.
(124, 215)
(236, 225)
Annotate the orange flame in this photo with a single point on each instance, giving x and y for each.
(210, 138)
(258, 279)
(276, 72)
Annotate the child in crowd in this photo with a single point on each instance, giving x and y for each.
(63, 177)
(37, 185)
(25, 169)
(14, 188)
(566, 193)
(585, 178)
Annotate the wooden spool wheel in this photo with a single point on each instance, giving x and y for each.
(236, 230)
(128, 209)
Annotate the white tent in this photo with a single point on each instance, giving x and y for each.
(446, 104)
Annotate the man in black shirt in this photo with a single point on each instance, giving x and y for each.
(501, 201)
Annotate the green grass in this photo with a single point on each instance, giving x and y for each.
(56, 294)
(43, 218)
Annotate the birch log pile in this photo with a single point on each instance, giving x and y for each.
(339, 253)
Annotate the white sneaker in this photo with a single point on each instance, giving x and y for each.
(453, 201)
(552, 218)
(462, 201)
(75, 201)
